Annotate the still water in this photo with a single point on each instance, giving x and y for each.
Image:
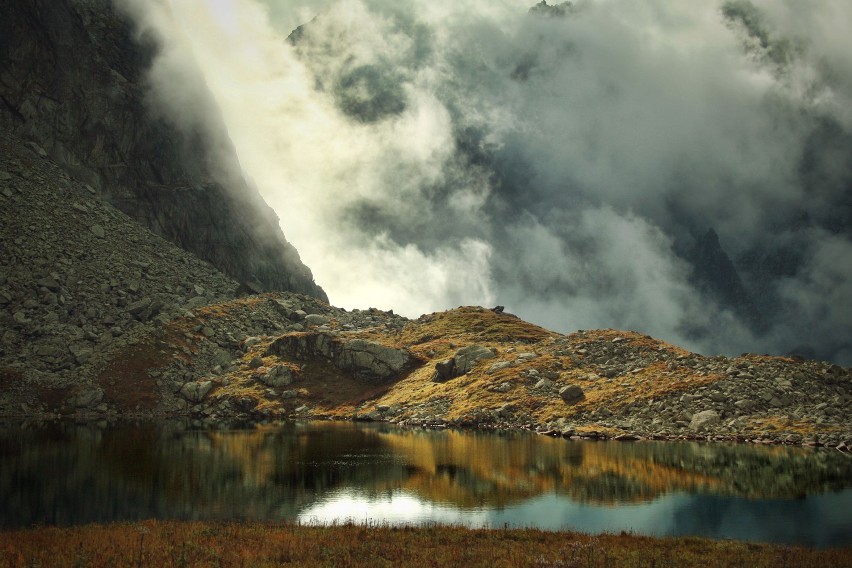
(320, 472)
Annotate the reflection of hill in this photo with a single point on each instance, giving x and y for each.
(83, 474)
(470, 469)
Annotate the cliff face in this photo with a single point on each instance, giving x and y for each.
(73, 80)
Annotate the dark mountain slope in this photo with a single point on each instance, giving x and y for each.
(73, 80)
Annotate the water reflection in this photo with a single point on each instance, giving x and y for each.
(324, 472)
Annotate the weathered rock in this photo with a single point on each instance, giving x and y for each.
(704, 420)
(570, 393)
(444, 370)
(277, 376)
(467, 357)
(316, 319)
(499, 366)
(362, 358)
(196, 391)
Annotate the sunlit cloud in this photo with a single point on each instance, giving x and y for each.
(423, 155)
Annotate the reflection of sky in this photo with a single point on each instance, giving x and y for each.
(814, 521)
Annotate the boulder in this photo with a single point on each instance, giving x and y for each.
(704, 420)
(462, 362)
(277, 376)
(196, 391)
(316, 319)
(570, 393)
(363, 358)
(499, 366)
(467, 357)
(444, 370)
(372, 360)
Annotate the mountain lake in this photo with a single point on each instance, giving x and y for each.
(337, 472)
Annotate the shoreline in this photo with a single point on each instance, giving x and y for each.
(252, 543)
(590, 435)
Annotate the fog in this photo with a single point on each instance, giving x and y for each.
(565, 163)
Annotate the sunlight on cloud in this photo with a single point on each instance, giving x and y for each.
(423, 155)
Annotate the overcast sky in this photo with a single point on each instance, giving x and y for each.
(427, 154)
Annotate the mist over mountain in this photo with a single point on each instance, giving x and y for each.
(677, 168)
(75, 82)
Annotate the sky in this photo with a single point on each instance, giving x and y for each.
(428, 154)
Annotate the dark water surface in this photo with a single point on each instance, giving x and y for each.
(324, 472)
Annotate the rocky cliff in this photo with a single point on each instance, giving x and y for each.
(73, 81)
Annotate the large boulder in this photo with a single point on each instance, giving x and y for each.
(364, 359)
(462, 362)
(704, 420)
(571, 393)
(196, 391)
(277, 376)
(444, 370)
(370, 359)
(467, 357)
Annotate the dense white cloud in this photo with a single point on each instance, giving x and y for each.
(423, 155)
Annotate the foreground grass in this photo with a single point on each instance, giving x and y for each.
(178, 544)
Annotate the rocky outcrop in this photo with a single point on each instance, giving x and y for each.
(73, 82)
(362, 358)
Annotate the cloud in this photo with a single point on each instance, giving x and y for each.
(423, 155)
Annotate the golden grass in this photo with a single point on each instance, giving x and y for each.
(473, 324)
(174, 543)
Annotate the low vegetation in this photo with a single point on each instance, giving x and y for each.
(175, 543)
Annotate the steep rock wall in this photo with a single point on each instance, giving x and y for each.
(73, 80)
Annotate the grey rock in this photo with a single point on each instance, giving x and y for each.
(373, 360)
(704, 420)
(543, 384)
(365, 359)
(499, 366)
(316, 319)
(277, 376)
(49, 283)
(570, 393)
(136, 309)
(444, 370)
(98, 231)
(196, 391)
(467, 357)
